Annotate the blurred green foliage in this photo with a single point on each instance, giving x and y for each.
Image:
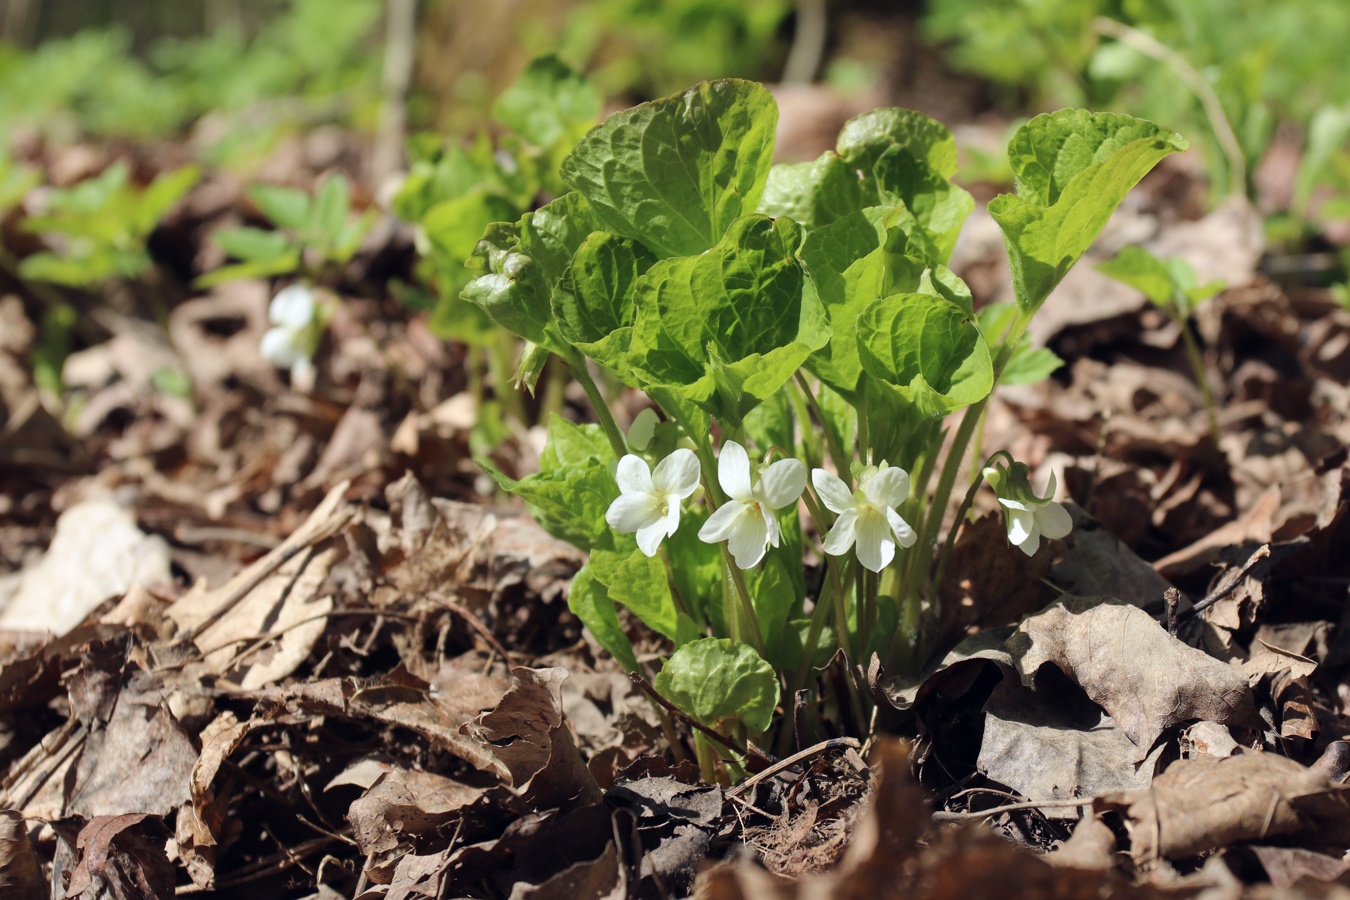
(91, 83)
(1268, 62)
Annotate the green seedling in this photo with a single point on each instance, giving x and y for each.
(314, 237)
(1172, 286)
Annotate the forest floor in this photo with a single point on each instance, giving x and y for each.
(306, 652)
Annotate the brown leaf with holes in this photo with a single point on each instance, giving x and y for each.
(1144, 678)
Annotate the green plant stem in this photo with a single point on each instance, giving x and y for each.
(957, 451)
(674, 588)
(577, 363)
(707, 757)
(836, 449)
(740, 611)
(833, 587)
(935, 600)
(1197, 361)
(864, 426)
(500, 355)
(1187, 75)
(813, 445)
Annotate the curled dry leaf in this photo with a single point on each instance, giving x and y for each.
(1129, 665)
(528, 733)
(200, 824)
(20, 875)
(1204, 804)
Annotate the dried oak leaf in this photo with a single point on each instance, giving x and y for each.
(122, 858)
(605, 878)
(1203, 804)
(1144, 678)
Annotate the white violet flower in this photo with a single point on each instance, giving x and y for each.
(1027, 516)
(867, 516)
(649, 502)
(297, 323)
(747, 521)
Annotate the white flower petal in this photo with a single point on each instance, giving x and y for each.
(1021, 526)
(634, 475)
(833, 492)
(649, 536)
(843, 533)
(888, 487)
(292, 308)
(1054, 521)
(782, 483)
(733, 471)
(672, 516)
(874, 541)
(677, 474)
(721, 522)
(748, 539)
(631, 512)
(904, 535)
(1016, 504)
(280, 348)
(771, 523)
(1050, 487)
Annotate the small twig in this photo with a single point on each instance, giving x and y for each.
(685, 717)
(788, 762)
(1218, 594)
(477, 626)
(942, 816)
(1172, 600)
(270, 865)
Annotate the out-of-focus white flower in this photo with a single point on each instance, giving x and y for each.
(867, 516)
(649, 502)
(747, 521)
(297, 324)
(1027, 516)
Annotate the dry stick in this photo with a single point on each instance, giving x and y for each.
(1011, 807)
(476, 625)
(787, 762)
(1218, 594)
(270, 865)
(690, 720)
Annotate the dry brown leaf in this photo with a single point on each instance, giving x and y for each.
(276, 596)
(405, 805)
(137, 757)
(20, 875)
(200, 824)
(1285, 866)
(1055, 744)
(605, 878)
(1204, 804)
(432, 718)
(1144, 678)
(528, 733)
(1097, 562)
(122, 858)
(1254, 526)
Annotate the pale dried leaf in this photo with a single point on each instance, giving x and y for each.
(1144, 678)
